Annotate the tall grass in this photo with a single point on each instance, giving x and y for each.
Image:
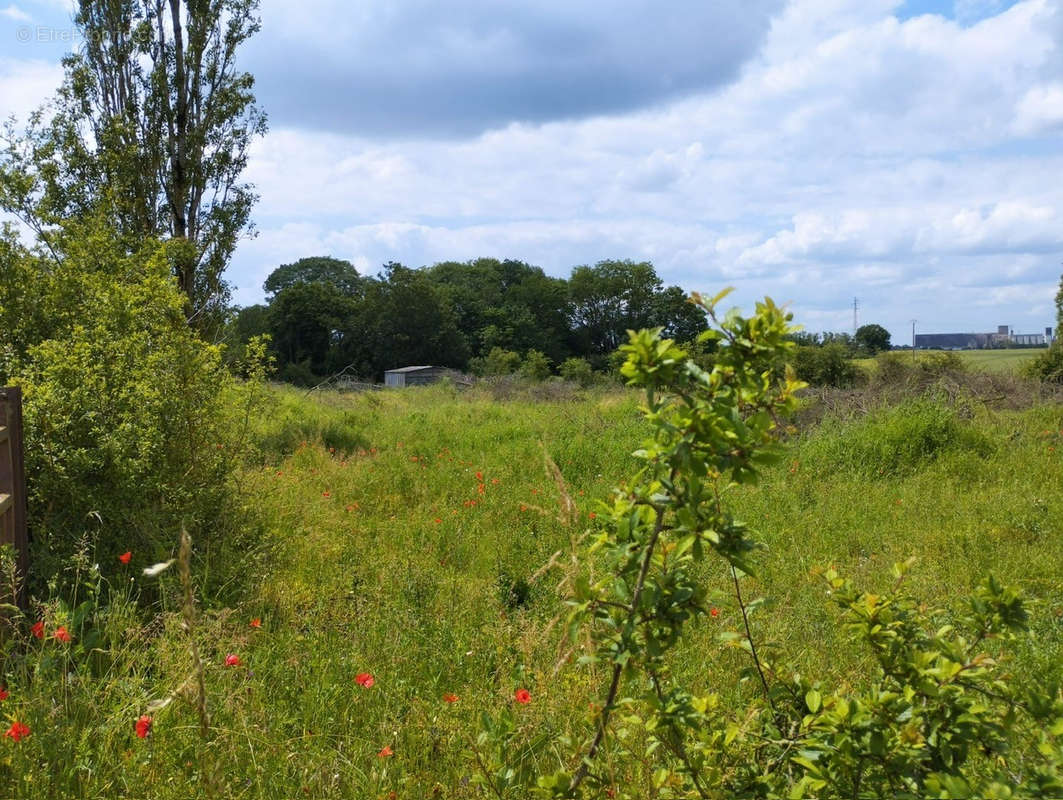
(405, 534)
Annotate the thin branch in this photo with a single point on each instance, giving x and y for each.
(618, 669)
(752, 644)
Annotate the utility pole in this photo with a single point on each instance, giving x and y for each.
(856, 320)
(913, 339)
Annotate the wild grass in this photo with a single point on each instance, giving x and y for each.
(407, 535)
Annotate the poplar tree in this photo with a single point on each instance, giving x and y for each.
(149, 130)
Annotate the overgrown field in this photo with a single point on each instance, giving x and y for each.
(419, 537)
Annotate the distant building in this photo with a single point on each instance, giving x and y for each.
(981, 341)
(954, 341)
(420, 376)
(1028, 338)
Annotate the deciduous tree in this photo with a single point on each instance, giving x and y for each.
(872, 338)
(150, 127)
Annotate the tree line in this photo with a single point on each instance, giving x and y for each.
(485, 315)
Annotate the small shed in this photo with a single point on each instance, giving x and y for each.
(415, 376)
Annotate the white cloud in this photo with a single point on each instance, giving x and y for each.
(24, 85)
(856, 154)
(910, 163)
(15, 13)
(1040, 110)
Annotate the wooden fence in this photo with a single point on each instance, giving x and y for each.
(13, 481)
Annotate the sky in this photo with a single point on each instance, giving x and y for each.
(908, 154)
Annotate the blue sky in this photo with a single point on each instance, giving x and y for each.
(906, 153)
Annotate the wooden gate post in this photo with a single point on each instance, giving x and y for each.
(13, 483)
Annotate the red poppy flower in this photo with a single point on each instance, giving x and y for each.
(62, 635)
(364, 679)
(232, 660)
(450, 698)
(494, 481)
(124, 558)
(592, 515)
(37, 629)
(714, 612)
(3, 693)
(522, 696)
(438, 520)
(385, 751)
(479, 476)
(256, 623)
(17, 731)
(523, 507)
(480, 488)
(326, 494)
(143, 727)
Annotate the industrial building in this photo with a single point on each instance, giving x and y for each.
(1004, 337)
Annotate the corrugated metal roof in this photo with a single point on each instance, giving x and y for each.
(411, 369)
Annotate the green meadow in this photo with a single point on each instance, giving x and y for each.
(422, 537)
(993, 361)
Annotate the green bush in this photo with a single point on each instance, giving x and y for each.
(1047, 366)
(899, 368)
(497, 362)
(127, 434)
(827, 365)
(892, 441)
(577, 370)
(536, 366)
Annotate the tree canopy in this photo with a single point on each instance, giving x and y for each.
(316, 269)
(324, 317)
(872, 338)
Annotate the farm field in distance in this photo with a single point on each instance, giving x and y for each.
(999, 360)
(996, 361)
(408, 536)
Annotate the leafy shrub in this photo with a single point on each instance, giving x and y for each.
(124, 411)
(900, 368)
(497, 362)
(891, 441)
(577, 370)
(536, 366)
(1046, 366)
(828, 365)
